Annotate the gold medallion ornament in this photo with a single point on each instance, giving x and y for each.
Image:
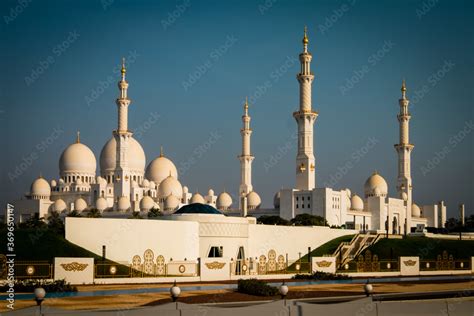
(30, 270)
(215, 265)
(74, 266)
(323, 264)
(182, 268)
(409, 263)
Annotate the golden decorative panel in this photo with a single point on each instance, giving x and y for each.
(324, 264)
(409, 263)
(215, 265)
(74, 266)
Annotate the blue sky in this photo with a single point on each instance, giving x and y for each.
(191, 64)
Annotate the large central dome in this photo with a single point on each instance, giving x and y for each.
(77, 158)
(136, 157)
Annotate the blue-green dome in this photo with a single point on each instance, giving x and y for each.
(197, 208)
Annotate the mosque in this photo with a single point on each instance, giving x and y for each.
(125, 184)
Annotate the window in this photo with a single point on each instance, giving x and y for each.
(309, 206)
(216, 252)
(297, 198)
(309, 198)
(296, 205)
(302, 198)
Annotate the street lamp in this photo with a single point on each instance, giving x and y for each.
(368, 288)
(175, 291)
(283, 290)
(40, 293)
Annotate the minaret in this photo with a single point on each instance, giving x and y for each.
(245, 158)
(305, 118)
(404, 148)
(122, 137)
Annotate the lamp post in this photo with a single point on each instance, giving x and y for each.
(175, 291)
(368, 288)
(40, 293)
(283, 291)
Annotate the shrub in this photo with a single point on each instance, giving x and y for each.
(48, 286)
(321, 276)
(272, 220)
(256, 287)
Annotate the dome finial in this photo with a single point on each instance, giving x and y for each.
(305, 37)
(78, 137)
(41, 175)
(124, 70)
(246, 106)
(404, 88)
(161, 151)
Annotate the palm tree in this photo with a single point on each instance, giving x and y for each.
(154, 213)
(94, 213)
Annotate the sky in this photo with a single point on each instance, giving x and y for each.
(190, 65)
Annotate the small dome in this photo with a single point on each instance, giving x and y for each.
(100, 180)
(59, 206)
(276, 200)
(170, 186)
(146, 203)
(224, 201)
(53, 183)
(198, 208)
(415, 210)
(40, 189)
(210, 192)
(197, 198)
(152, 185)
(80, 204)
(123, 204)
(77, 158)
(171, 203)
(161, 168)
(253, 200)
(375, 186)
(101, 204)
(185, 189)
(356, 203)
(136, 157)
(146, 183)
(61, 181)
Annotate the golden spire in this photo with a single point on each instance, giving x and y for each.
(161, 151)
(305, 38)
(123, 71)
(246, 106)
(403, 89)
(78, 137)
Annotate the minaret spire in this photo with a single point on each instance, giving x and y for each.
(404, 148)
(305, 118)
(246, 159)
(78, 137)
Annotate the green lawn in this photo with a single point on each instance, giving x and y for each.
(426, 248)
(43, 245)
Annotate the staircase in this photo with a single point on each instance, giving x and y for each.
(347, 251)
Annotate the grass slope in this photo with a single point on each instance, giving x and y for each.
(425, 248)
(43, 245)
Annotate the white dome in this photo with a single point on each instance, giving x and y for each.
(123, 204)
(77, 158)
(161, 168)
(80, 204)
(61, 181)
(375, 186)
(276, 200)
(185, 189)
(40, 189)
(53, 183)
(146, 183)
(224, 201)
(210, 192)
(101, 204)
(170, 186)
(101, 181)
(59, 206)
(146, 203)
(356, 203)
(171, 203)
(136, 157)
(415, 210)
(253, 200)
(197, 198)
(152, 185)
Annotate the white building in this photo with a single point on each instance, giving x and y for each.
(126, 184)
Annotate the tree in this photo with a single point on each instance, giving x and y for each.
(94, 213)
(272, 220)
(309, 220)
(452, 224)
(74, 213)
(135, 215)
(55, 223)
(34, 222)
(154, 213)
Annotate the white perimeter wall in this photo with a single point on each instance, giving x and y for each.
(290, 239)
(125, 238)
